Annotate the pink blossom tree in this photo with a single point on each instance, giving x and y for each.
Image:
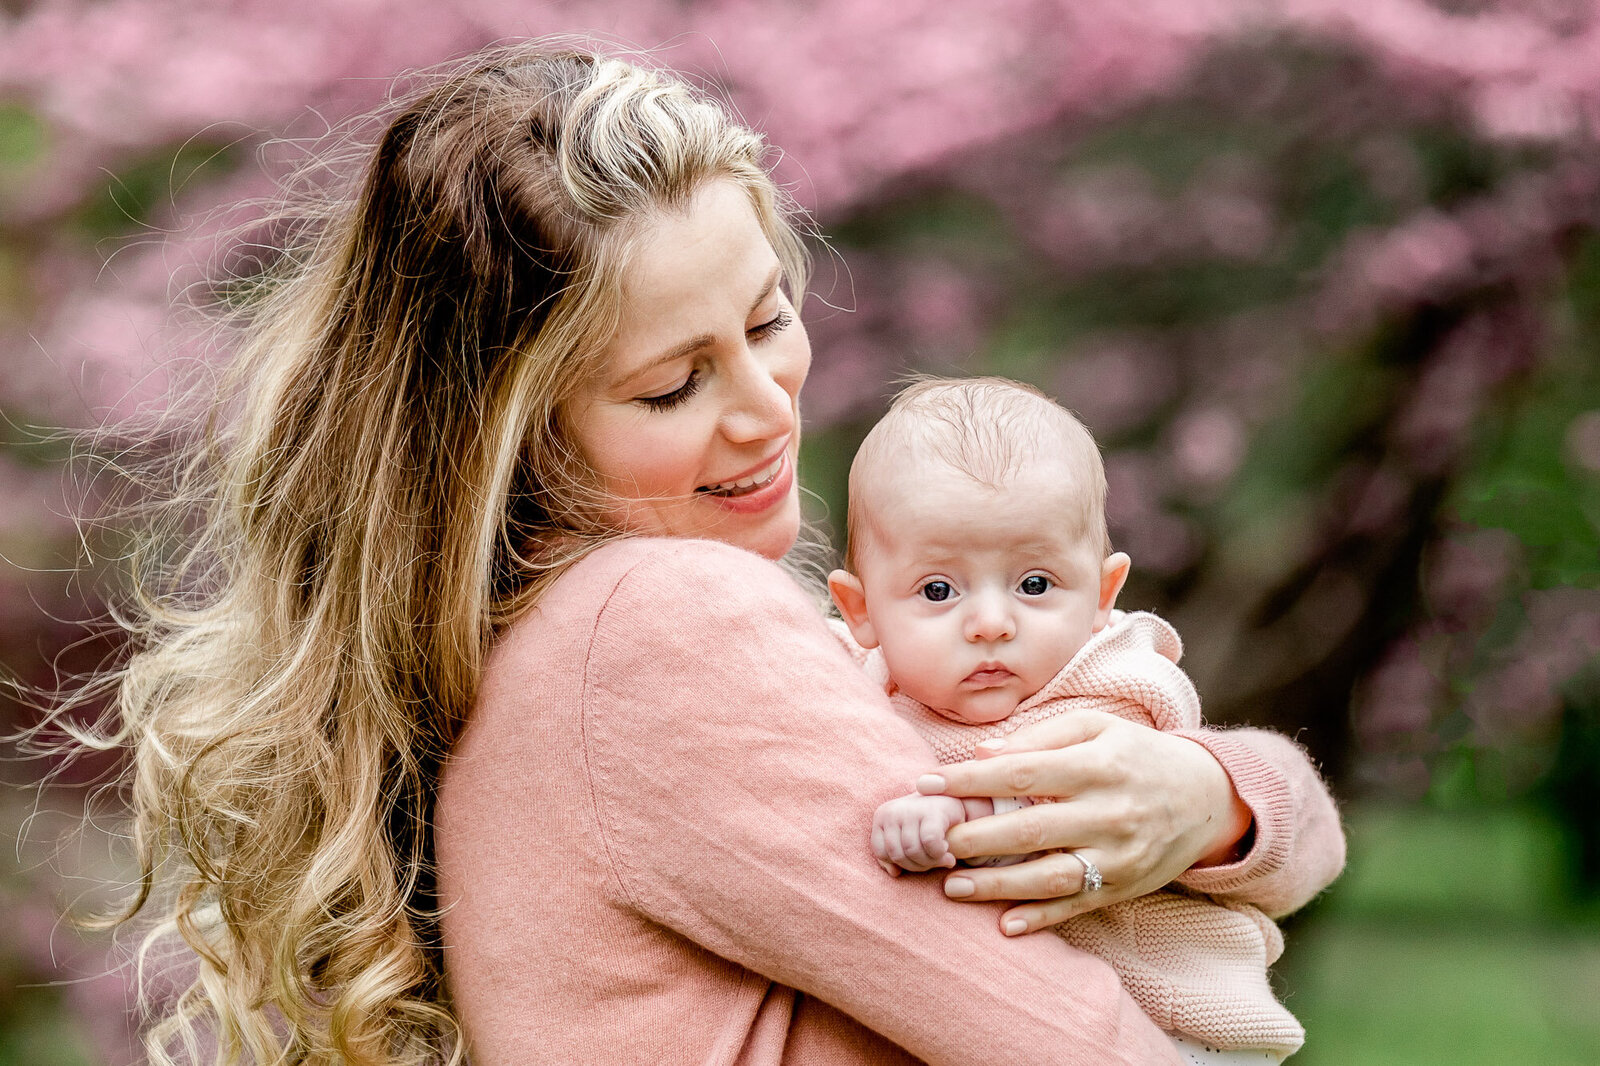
(1323, 276)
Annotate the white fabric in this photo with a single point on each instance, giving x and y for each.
(1202, 1054)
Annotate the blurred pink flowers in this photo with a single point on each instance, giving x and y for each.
(1283, 510)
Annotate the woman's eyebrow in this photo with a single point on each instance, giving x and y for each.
(766, 289)
(704, 340)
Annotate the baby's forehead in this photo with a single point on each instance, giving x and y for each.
(928, 507)
(904, 473)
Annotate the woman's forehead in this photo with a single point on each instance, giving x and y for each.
(714, 246)
(693, 274)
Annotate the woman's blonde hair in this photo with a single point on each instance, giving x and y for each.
(391, 483)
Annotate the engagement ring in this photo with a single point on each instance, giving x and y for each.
(1091, 874)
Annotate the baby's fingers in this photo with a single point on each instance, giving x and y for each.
(917, 857)
(886, 843)
(931, 843)
(919, 849)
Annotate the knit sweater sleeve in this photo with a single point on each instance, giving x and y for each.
(1299, 846)
(735, 756)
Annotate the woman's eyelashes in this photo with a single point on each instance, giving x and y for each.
(776, 324)
(666, 401)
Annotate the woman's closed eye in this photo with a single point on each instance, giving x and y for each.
(774, 325)
(666, 401)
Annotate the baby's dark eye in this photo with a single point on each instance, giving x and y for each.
(1034, 585)
(937, 591)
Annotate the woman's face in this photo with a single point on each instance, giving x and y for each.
(693, 424)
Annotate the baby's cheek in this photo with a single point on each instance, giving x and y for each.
(920, 679)
(919, 672)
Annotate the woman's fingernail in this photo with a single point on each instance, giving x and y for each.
(930, 784)
(992, 744)
(1014, 926)
(956, 887)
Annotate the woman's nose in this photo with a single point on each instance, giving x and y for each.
(763, 407)
(989, 618)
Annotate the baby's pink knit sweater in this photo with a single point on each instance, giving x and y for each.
(1196, 963)
(651, 847)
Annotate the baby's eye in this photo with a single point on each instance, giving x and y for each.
(937, 591)
(1034, 585)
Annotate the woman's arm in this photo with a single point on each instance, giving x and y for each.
(1297, 845)
(1146, 806)
(735, 757)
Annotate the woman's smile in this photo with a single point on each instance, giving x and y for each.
(744, 483)
(768, 487)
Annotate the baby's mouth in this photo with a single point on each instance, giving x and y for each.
(748, 484)
(988, 675)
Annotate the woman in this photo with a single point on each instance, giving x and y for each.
(536, 387)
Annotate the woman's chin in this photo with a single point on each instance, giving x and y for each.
(776, 535)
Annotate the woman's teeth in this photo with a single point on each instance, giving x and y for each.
(760, 479)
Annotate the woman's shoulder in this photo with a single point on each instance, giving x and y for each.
(659, 614)
(671, 559)
(663, 585)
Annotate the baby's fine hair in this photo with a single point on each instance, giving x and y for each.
(987, 428)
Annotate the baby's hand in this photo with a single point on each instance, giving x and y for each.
(908, 833)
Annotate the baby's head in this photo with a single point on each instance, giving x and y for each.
(978, 557)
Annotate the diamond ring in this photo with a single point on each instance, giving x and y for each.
(1091, 874)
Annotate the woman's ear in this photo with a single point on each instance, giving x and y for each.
(1113, 574)
(851, 599)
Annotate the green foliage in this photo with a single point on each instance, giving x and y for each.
(928, 218)
(1573, 789)
(1483, 995)
(139, 194)
(22, 141)
(1441, 945)
(1526, 482)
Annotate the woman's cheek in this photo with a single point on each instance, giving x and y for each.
(640, 455)
(668, 463)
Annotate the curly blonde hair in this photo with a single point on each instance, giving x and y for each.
(390, 484)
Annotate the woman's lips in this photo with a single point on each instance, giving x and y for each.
(750, 480)
(756, 500)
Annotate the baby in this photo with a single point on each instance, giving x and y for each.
(980, 586)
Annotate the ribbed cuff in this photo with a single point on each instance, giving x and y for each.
(1264, 790)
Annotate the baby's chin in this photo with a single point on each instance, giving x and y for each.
(976, 708)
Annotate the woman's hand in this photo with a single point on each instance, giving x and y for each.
(1142, 805)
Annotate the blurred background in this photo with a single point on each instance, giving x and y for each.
(1323, 277)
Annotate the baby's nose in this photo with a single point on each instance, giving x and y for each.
(989, 619)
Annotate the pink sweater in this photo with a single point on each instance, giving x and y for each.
(643, 840)
(1197, 966)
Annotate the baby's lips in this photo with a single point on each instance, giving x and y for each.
(988, 675)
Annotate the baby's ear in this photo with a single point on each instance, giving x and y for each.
(1113, 574)
(851, 599)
